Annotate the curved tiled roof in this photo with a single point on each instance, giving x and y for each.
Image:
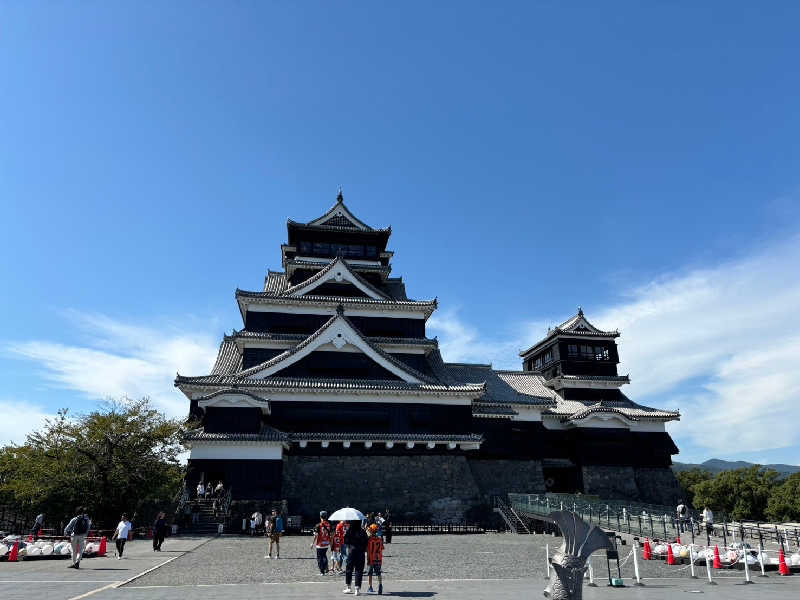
(302, 384)
(231, 391)
(266, 434)
(299, 337)
(572, 410)
(504, 387)
(229, 360)
(428, 305)
(340, 216)
(275, 282)
(577, 325)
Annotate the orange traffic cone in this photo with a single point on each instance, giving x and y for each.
(670, 555)
(782, 568)
(14, 552)
(647, 554)
(717, 561)
(102, 550)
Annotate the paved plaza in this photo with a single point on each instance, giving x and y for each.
(444, 567)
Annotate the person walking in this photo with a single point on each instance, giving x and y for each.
(355, 540)
(708, 520)
(259, 519)
(159, 530)
(682, 511)
(37, 526)
(322, 541)
(336, 548)
(201, 490)
(274, 527)
(374, 557)
(341, 530)
(121, 534)
(77, 529)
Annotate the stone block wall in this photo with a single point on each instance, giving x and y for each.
(498, 476)
(658, 485)
(610, 482)
(437, 487)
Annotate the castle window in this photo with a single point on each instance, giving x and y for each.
(322, 249)
(548, 357)
(572, 350)
(538, 364)
(600, 353)
(306, 247)
(587, 352)
(371, 251)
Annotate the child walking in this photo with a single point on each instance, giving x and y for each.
(374, 558)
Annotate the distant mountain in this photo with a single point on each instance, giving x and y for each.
(716, 465)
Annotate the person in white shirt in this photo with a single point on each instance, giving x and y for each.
(708, 519)
(201, 490)
(121, 535)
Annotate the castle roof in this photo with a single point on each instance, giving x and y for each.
(577, 325)
(337, 270)
(576, 410)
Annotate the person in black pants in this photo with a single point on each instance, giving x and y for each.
(356, 542)
(159, 530)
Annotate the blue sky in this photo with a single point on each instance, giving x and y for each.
(639, 159)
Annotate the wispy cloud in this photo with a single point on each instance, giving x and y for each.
(20, 418)
(121, 358)
(720, 343)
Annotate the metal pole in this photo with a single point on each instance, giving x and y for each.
(652, 531)
(746, 568)
(547, 559)
(761, 560)
(691, 560)
(591, 574)
(691, 523)
(617, 520)
(664, 522)
(636, 567)
(708, 570)
(725, 533)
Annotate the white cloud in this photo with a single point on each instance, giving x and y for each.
(125, 359)
(722, 344)
(20, 418)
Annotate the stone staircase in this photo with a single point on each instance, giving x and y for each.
(512, 519)
(208, 521)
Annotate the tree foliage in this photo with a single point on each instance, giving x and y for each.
(784, 502)
(741, 493)
(111, 460)
(688, 479)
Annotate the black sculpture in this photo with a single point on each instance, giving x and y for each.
(569, 563)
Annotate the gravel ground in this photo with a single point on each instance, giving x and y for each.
(240, 560)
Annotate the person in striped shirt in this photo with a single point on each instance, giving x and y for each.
(374, 558)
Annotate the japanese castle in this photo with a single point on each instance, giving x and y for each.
(333, 395)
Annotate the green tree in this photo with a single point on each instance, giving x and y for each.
(111, 460)
(688, 479)
(742, 493)
(784, 502)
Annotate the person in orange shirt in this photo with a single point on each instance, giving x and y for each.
(374, 558)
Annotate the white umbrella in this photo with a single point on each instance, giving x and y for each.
(347, 514)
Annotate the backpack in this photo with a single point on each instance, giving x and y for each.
(81, 526)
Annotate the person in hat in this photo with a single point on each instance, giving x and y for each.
(121, 534)
(322, 541)
(374, 557)
(77, 530)
(355, 540)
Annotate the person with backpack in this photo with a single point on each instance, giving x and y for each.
(683, 512)
(322, 541)
(37, 526)
(77, 529)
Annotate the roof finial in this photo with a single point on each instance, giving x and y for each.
(339, 197)
(580, 311)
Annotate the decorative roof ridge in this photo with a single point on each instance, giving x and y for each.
(291, 223)
(344, 210)
(569, 327)
(461, 364)
(327, 269)
(289, 337)
(638, 406)
(265, 432)
(411, 437)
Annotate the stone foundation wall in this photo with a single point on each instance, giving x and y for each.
(437, 487)
(658, 485)
(610, 482)
(495, 477)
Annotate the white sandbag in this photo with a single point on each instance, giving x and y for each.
(66, 549)
(33, 551)
(732, 556)
(47, 550)
(4, 550)
(660, 549)
(91, 548)
(795, 559)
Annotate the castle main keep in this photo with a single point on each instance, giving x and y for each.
(332, 395)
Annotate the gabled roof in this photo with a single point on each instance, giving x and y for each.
(340, 216)
(229, 360)
(275, 282)
(337, 270)
(293, 264)
(577, 325)
(338, 331)
(243, 399)
(295, 338)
